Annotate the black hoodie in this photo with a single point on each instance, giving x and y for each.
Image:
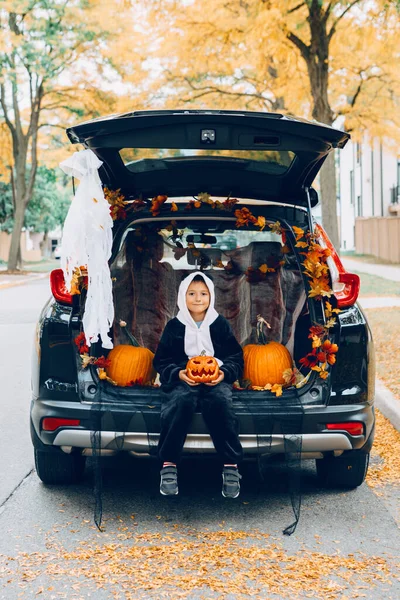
(170, 357)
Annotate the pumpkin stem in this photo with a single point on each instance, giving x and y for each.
(262, 338)
(130, 335)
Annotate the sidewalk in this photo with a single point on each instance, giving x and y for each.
(7, 281)
(379, 301)
(30, 272)
(388, 404)
(390, 272)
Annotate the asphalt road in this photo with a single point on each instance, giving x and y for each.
(19, 309)
(345, 546)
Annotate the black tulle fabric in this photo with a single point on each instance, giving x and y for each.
(145, 294)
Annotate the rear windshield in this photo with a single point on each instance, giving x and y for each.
(254, 272)
(280, 159)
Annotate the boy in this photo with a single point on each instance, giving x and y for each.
(198, 328)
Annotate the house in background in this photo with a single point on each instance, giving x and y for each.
(34, 246)
(369, 199)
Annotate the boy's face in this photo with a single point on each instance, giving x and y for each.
(197, 300)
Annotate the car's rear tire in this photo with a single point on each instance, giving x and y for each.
(59, 468)
(346, 471)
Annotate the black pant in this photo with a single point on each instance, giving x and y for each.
(215, 403)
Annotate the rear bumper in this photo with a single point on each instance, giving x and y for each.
(135, 429)
(312, 445)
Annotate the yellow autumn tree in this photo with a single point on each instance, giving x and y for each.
(318, 59)
(57, 62)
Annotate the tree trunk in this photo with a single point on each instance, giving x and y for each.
(316, 57)
(44, 246)
(328, 200)
(14, 254)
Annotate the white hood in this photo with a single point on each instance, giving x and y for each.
(197, 339)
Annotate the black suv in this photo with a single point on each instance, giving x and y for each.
(238, 177)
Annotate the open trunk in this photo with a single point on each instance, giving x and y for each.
(254, 272)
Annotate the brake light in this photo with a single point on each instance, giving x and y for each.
(352, 427)
(346, 286)
(58, 288)
(53, 423)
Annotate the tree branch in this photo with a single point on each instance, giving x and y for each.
(34, 165)
(304, 49)
(327, 13)
(292, 10)
(216, 90)
(9, 124)
(51, 125)
(336, 21)
(35, 110)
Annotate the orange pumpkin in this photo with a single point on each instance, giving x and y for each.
(131, 364)
(266, 361)
(202, 369)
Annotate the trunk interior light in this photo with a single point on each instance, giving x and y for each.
(53, 423)
(352, 427)
(58, 289)
(346, 286)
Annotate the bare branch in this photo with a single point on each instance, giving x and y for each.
(34, 165)
(3, 104)
(363, 82)
(304, 49)
(216, 90)
(35, 109)
(292, 10)
(327, 13)
(336, 21)
(51, 125)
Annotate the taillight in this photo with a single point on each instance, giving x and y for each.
(346, 286)
(58, 288)
(53, 423)
(352, 427)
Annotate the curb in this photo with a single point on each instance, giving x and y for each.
(27, 279)
(388, 404)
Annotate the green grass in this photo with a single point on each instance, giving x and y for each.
(371, 285)
(44, 266)
(367, 258)
(385, 326)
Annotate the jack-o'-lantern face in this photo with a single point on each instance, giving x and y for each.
(202, 369)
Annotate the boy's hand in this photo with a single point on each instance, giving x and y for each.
(220, 378)
(185, 378)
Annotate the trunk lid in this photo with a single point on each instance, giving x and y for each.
(264, 156)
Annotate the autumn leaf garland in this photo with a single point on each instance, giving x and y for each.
(119, 206)
(315, 268)
(323, 353)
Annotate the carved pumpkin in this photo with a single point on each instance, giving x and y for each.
(131, 364)
(265, 362)
(202, 369)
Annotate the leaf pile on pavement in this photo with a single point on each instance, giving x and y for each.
(387, 448)
(183, 563)
(385, 326)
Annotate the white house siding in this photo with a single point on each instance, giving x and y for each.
(367, 175)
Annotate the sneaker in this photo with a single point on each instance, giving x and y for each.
(230, 482)
(169, 481)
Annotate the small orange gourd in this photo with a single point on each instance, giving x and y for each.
(265, 361)
(131, 363)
